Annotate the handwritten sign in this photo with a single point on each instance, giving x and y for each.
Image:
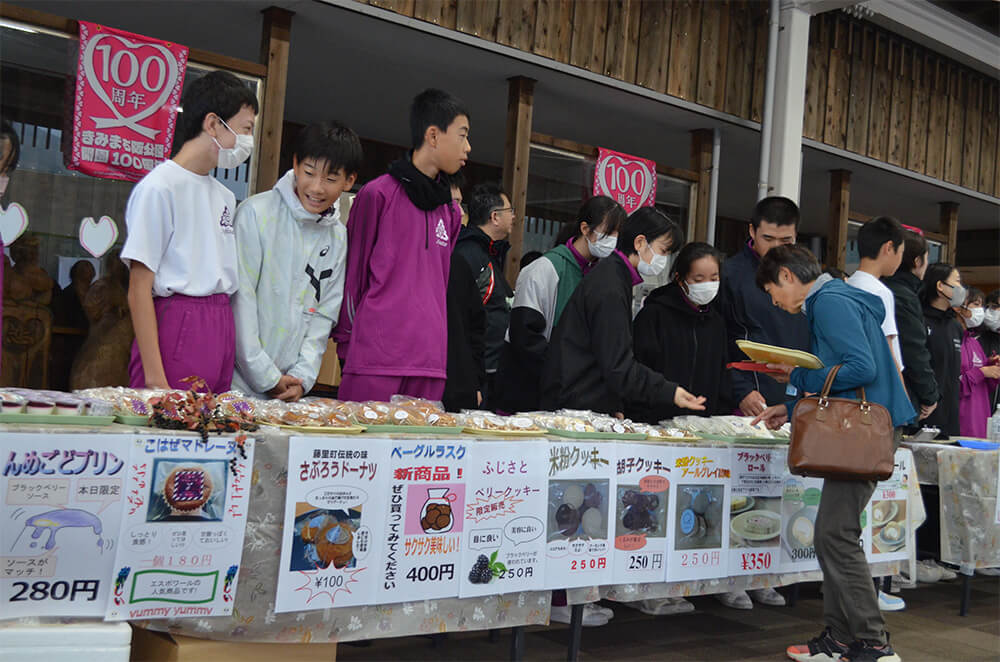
(334, 523)
(755, 510)
(60, 512)
(643, 473)
(125, 109)
(699, 514)
(181, 539)
(799, 506)
(629, 180)
(887, 518)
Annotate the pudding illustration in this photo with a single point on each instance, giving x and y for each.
(54, 520)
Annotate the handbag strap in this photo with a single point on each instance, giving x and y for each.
(828, 385)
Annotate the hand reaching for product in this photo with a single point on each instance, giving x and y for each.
(753, 404)
(773, 417)
(688, 401)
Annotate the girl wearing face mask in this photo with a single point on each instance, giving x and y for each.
(681, 334)
(940, 293)
(979, 374)
(590, 363)
(540, 295)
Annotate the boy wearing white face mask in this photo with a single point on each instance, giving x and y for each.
(181, 246)
(681, 333)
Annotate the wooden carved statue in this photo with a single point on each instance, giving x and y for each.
(103, 358)
(27, 320)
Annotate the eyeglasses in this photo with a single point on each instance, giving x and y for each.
(503, 209)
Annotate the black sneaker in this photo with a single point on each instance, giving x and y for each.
(823, 648)
(870, 651)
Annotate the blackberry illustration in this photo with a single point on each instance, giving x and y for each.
(481, 572)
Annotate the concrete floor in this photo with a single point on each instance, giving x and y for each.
(929, 629)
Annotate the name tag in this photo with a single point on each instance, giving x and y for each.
(791, 391)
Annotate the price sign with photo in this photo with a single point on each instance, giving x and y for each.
(128, 89)
(60, 512)
(579, 527)
(334, 523)
(422, 537)
(888, 513)
(181, 539)
(755, 510)
(799, 506)
(504, 548)
(643, 473)
(699, 514)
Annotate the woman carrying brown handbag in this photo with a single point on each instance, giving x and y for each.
(845, 325)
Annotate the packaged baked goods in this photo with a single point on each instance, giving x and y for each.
(372, 413)
(489, 422)
(442, 420)
(407, 415)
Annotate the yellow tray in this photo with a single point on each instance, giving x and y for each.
(773, 354)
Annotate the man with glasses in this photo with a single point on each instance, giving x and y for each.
(483, 244)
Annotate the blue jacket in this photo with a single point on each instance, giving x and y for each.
(846, 327)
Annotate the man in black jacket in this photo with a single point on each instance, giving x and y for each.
(918, 373)
(483, 245)
(749, 313)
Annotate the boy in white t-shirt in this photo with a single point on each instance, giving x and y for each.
(880, 244)
(181, 247)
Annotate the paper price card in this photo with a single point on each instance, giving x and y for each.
(334, 523)
(640, 511)
(799, 505)
(579, 527)
(505, 511)
(60, 511)
(888, 513)
(698, 533)
(755, 510)
(422, 540)
(181, 537)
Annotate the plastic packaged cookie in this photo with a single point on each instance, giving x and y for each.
(405, 415)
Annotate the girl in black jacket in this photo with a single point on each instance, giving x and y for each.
(681, 334)
(590, 364)
(941, 292)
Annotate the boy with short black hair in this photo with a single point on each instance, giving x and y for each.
(880, 245)
(293, 251)
(181, 245)
(403, 226)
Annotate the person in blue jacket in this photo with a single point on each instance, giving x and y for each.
(845, 324)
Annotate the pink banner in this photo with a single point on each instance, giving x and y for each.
(127, 92)
(628, 179)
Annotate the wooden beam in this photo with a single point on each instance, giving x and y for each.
(701, 163)
(517, 151)
(949, 228)
(71, 27)
(840, 206)
(274, 48)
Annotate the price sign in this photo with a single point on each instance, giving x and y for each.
(61, 502)
(755, 509)
(698, 530)
(888, 513)
(643, 474)
(799, 505)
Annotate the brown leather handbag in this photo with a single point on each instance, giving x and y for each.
(841, 438)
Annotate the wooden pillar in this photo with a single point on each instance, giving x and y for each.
(840, 205)
(517, 150)
(949, 228)
(701, 163)
(274, 47)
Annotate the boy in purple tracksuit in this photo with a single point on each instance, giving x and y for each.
(393, 331)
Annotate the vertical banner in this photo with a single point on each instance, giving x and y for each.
(755, 510)
(128, 88)
(640, 509)
(504, 518)
(423, 530)
(799, 505)
(699, 514)
(629, 180)
(334, 523)
(61, 511)
(579, 529)
(889, 514)
(181, 539)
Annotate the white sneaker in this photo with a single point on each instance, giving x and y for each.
(947, 574)
(767, 596)
(928, 572)
(888, 602)
(663, 606)
(564, 614)
(902, 580)
(989, 572)
(604, 611)
(735, 599)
